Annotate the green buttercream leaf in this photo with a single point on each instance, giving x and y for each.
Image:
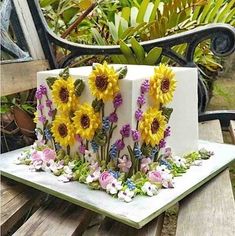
(100, 137)
(65, 73)
(97, 105)
(167, 112)
(50, 81)
(79, 86)
(122, 72)
(94, 185)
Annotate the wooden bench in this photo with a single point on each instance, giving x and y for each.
(207, 211)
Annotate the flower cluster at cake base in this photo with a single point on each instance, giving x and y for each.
(86, 142)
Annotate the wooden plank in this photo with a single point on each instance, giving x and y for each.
(211, 131)
(16, 201)
(210, 209)
(232, 130)
(18, 77)
(29, 30)
(114, 228)
(57, 218)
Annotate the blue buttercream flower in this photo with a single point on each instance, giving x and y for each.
(48, 134)
(137, 152)
(130, 184)
(57, 146)
(113, 151)
(166, 163)
(154, 152)
(106, 123)
(94, 146)
(115, 174)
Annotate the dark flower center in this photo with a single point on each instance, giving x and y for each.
(85, 121)
(101, 82)
(165, 85)
(64, 95)
(63, 131)
(154, 126)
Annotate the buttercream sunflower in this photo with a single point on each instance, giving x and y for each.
(152, 126)
(103, 82)
(63, 95)
(63, 130)
(86, 121)
(162, 84)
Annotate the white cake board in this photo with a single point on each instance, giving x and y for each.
(136, 213)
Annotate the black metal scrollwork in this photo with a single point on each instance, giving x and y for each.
(222, 37)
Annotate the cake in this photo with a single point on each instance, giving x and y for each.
(119, 128)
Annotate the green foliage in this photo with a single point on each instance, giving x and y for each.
(129, 22)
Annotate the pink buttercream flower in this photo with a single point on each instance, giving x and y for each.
(48, 154)
(155, 176)
(82, 149)
(144, 166)
(37, 156)
(124, 164)
(105, 179)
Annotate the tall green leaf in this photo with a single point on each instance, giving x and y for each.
(152, 56)
(138, 50)
(127, 52)
(142, 10)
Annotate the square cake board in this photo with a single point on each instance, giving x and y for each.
(136, 213)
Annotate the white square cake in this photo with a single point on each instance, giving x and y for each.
(184, 118)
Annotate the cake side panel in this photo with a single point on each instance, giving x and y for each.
(184, 119)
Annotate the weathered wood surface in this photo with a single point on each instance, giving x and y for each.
(16, 202)
(209, 211)
(110, 227)
(56, 218)
(29, 29)
(18, 77)
(232, 130)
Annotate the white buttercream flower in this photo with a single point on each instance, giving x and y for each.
(93, 177)
(114, 186)
(179, 161)
(126, 195)
(149, 189)
(67, 175)
(90, 156)
(163, 169)
(167, 180)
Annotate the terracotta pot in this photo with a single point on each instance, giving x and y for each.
(24, 121)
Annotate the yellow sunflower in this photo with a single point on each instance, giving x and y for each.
(36, 118)
(103, 82)
(63, 95)
(162, 84)
(152, 126)
(63, 130)
(86, 121)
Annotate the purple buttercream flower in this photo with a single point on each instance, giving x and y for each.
(43, 89)
(125, 130)
(82, 149)
(42, 119)
(38, 94)
(139, 114)
(162, 143)
(50, 113)
(48, 102)
(135, 135)
(145, 87)
(119, 144)
(113, 117)
(167, 132)
(40, 106)
(117, 101)
(141, 100)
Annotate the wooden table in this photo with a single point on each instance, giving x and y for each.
(210, 210)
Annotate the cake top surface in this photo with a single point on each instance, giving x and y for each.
(134, 71)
